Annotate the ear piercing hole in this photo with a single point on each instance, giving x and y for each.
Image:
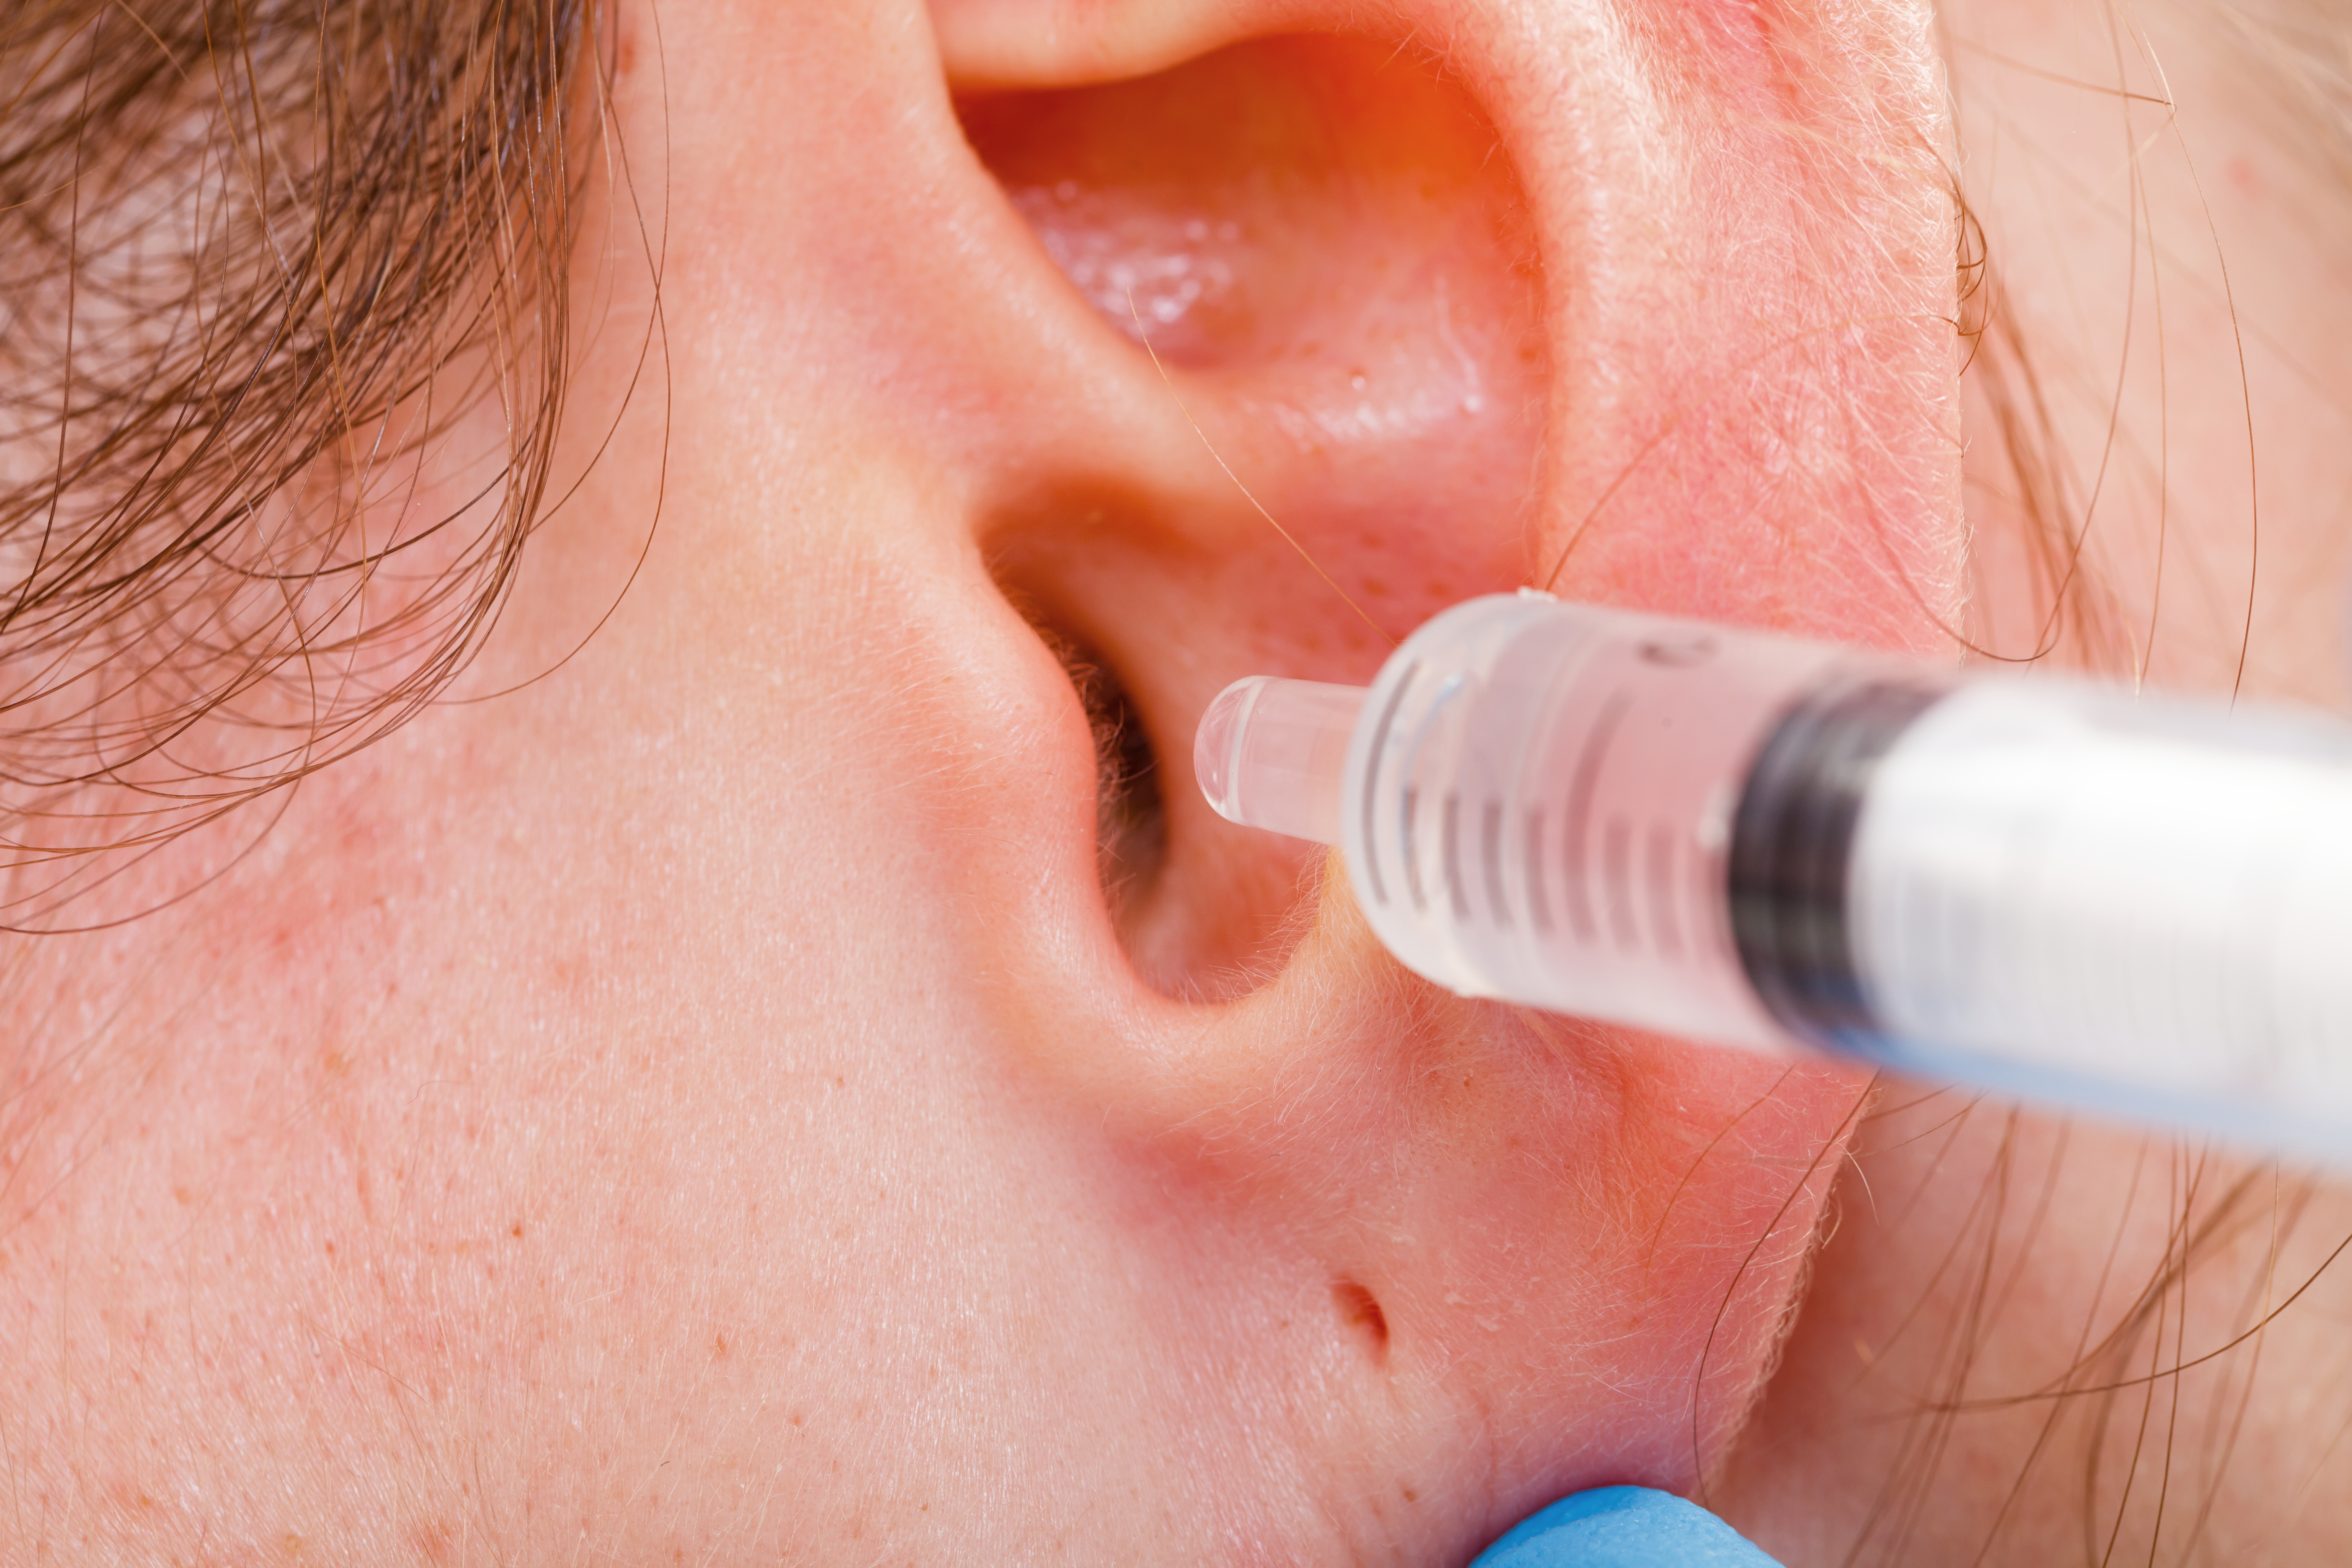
(1360, 1313)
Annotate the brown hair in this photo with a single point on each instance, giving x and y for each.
(256, 261)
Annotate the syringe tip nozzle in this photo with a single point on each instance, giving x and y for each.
(1213, 743)
(1270, 753)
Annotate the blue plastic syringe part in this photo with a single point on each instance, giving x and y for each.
(2044, 887)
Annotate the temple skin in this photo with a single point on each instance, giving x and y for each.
(701, 1104)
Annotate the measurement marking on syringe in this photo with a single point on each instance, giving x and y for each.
(1454, 856)
(1410, 809)
(1665, 919)
(1539, 906)
(1579, 825)
(1409, 769)
(1490, 860)
(1617, 869)
(1374, 758)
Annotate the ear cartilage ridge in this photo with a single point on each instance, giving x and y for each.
(2134, 906)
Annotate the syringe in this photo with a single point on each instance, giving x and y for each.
(2030, 884)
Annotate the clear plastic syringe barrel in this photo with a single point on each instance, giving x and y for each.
(1536, 803)
(2128, 904)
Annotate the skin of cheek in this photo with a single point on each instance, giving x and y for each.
(700, 1101)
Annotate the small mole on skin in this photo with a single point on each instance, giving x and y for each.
(517, 1231)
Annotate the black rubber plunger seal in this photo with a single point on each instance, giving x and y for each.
(1792, 842)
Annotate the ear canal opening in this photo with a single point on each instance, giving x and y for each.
(1130, 812)
(1131, 784)
(1204, 912)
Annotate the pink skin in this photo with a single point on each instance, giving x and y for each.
(701, 1104)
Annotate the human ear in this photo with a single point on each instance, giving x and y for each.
(1638, 305)
(1642, 305)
